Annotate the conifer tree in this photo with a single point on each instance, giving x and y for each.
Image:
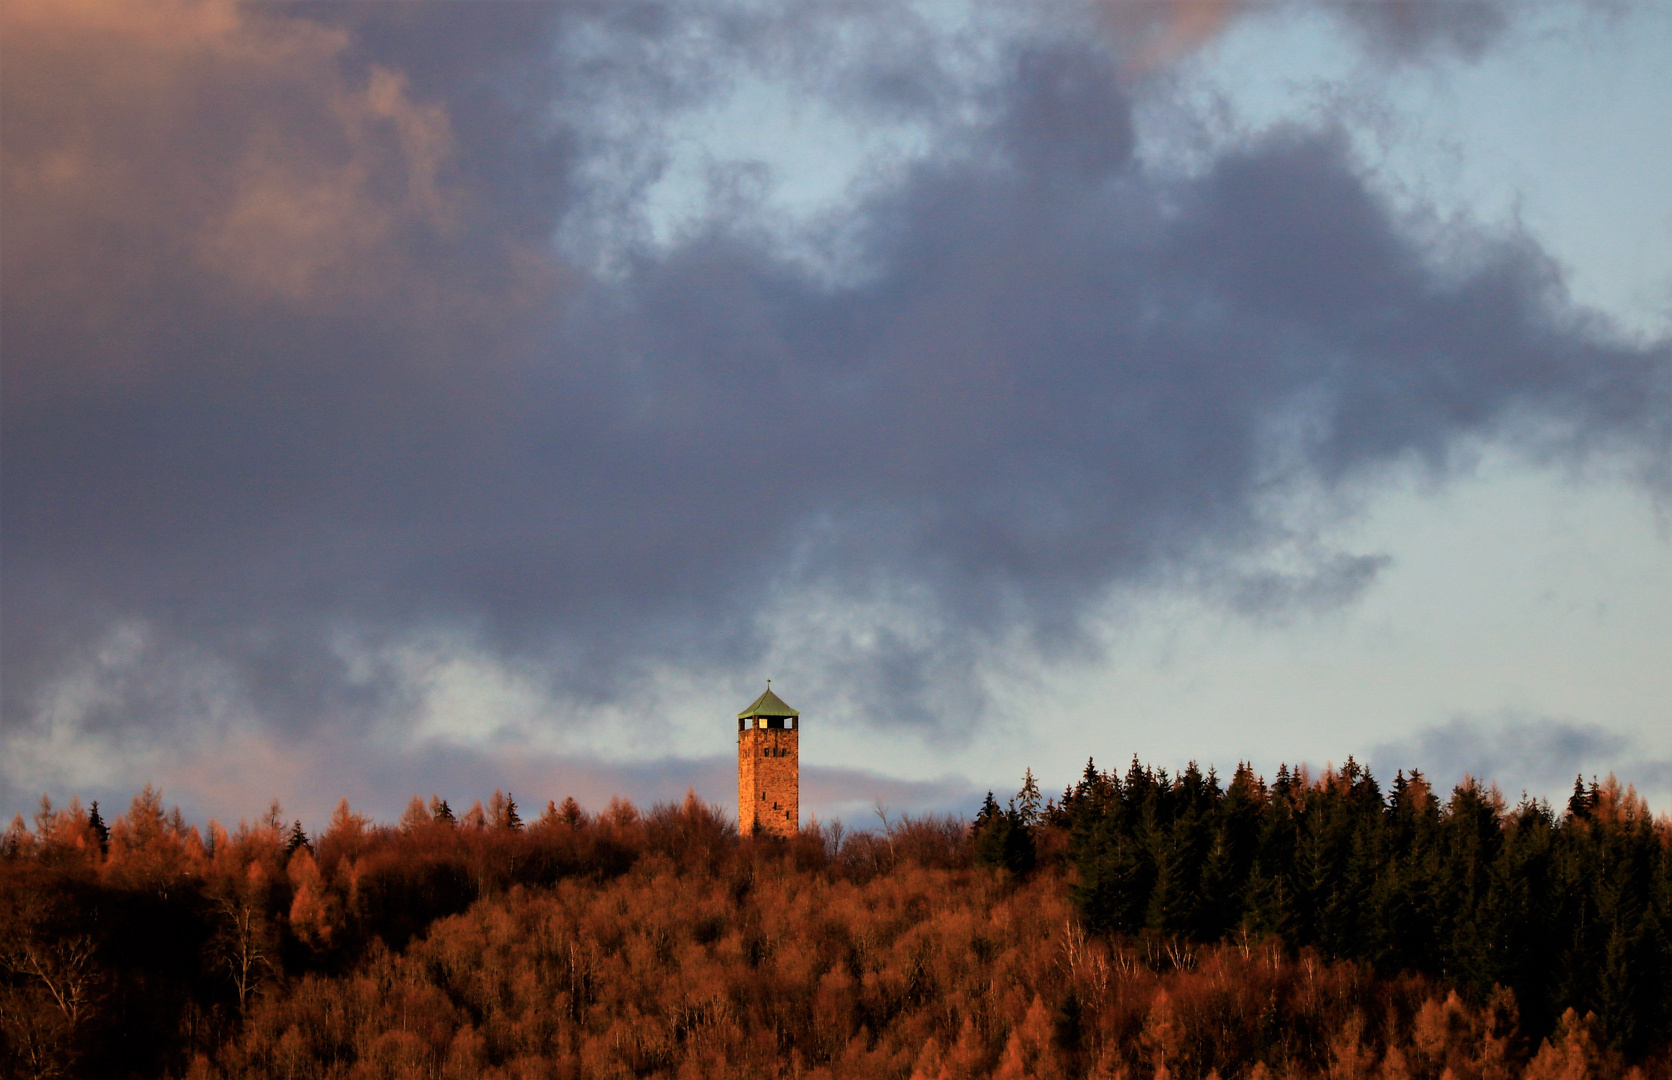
(97, 825)
(1027, 800)
(1114, 869)
(1270, 906)
(1002, 839)
(1174, 902)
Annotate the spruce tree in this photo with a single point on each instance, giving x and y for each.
(1028, 800)
(1002, 839)
(97, 825)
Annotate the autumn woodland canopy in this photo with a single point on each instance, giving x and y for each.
(1138, 925)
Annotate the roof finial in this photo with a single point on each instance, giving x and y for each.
(769, 684)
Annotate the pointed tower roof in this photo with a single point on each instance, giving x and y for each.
(768, 705)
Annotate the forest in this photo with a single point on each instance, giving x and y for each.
(1139, 925)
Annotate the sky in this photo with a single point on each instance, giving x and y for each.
(436, 397)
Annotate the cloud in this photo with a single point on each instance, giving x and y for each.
(1332, 582)
(1155, 33)
(295, 379)
(1397, 30)
(236, 769)
(212, 143)
(1534, 754)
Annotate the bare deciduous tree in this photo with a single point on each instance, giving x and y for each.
(243, 941)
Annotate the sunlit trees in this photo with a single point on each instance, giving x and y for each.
(1144, 925)
(153, 850)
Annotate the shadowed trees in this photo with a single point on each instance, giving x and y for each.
(1567, 911)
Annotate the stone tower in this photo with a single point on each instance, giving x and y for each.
(768, 767)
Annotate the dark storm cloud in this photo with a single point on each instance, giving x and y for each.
(292, 374)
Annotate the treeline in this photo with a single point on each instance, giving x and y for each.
(660, 944)
(127, 949)
(1569, 910)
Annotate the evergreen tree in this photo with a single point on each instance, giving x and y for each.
(1404, 895)
(1239, 830)
(1517, 912)
(1580, 802)
(1270, 907)
(1174, 899)
(1114, 869)
(502, 811)
(1002, 839)
(97, 825)
(1028, 800)
(1218, 892)
(1470, 836)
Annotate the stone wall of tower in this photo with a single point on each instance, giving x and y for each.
(768, 780)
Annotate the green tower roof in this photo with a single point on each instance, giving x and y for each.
(769, 705)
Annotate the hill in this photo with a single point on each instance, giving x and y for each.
(1141, 925)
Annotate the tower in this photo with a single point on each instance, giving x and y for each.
(768, 767)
